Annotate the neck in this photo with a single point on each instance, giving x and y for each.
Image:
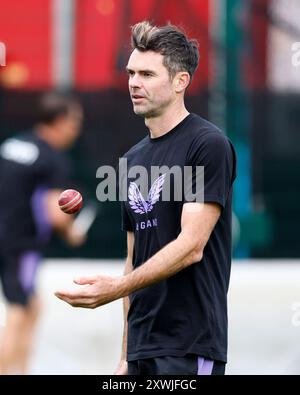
(47, 134)
(164, 123)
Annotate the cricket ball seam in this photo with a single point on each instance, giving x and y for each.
(76, 197)
(73, 206)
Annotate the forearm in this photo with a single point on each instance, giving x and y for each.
(173, 258)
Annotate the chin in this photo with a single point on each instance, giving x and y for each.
(146, 114)
(139, 111)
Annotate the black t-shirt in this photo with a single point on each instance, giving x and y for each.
(186, 313)
(28, 168)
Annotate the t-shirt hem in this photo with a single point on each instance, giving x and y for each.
(214, 199)
(211, 199)
(127, 228)
(208, 353)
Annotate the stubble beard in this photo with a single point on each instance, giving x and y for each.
(147, 113)
(151, 112)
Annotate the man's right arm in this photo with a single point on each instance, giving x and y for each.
(122, 369)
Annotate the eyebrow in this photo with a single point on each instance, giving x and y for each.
(140, 71)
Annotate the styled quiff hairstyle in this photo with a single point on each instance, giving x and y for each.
(180, 53)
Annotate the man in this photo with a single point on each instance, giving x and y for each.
(33, 173)
(179, 252)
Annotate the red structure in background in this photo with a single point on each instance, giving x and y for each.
(96, 36)
(103, 34)
(25, 31)
(101, 39)
(256, 64)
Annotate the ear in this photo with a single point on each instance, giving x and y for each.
(181, 81)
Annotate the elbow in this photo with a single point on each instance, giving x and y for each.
(195, 256)
(194, 249)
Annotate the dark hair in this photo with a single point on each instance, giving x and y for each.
(54, 105)
(180, 53)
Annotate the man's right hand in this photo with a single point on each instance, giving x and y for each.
(122, 369)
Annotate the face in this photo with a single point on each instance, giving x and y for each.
(150, 86)
(68, 127)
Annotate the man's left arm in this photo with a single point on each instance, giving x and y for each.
(197, 222)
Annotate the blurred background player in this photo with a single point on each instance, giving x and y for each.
(33, 172)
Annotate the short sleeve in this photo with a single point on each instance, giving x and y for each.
(215, 153)
(126, 223)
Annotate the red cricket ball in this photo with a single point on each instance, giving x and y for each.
(70, 201)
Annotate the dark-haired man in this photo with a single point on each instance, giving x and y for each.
(33, 172)
(177, 270)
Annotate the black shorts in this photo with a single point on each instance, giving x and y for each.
(18, 273)
(189, 365)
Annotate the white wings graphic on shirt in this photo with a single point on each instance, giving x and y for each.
(138, 204)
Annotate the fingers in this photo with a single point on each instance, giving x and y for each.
(96, 291)
(68, 296)
(122, 369)
(75, 299)
(63, 296)
(91, 280)
(85, 280)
